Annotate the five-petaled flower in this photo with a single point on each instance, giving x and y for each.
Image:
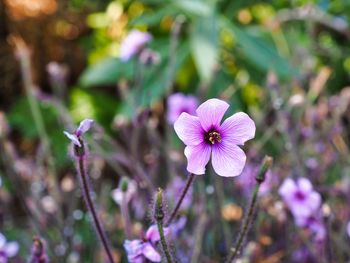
(179, 103)
(204, 136)
(300, 197)
(133, 44)
(138, 250)
(84, 126)
(7, 249)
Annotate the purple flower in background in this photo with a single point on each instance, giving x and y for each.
(138, 250)
(133, 43)
(315, 224)
(179, 103)
(118, 194)
(7, 249)
(84, 126)
(57, 72)
(300, 197)
(204, 136)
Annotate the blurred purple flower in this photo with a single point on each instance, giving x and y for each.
(204, 137)
(138, 250)
(133, 43)
(179, 103)
(176, 186)
(300, 197)
(118, 194)
(57, 72)
(7, 249)
(348, 228)
(315, 224)
(84, 126)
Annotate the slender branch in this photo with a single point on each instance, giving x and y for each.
(90, 206)
(260, 178)
(159, 216)
(183, 194)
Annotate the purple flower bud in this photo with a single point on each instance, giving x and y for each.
(38, 254)
(84, 126)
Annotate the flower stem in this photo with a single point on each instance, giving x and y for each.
(92, 210)
(159, 216)
(260, 178)
(183, 194)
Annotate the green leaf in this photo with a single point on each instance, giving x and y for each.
(194, 7)
(258, 51)
(106, 72)
(204, 46)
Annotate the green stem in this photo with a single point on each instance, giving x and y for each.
(159, 216)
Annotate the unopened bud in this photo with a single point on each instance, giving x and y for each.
(266, 164)
(159, 213)
(124, 184)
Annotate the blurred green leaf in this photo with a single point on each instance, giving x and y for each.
(260, 52)
(106, 72)
(194, 7)
(204, 46)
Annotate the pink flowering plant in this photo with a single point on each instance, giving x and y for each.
(174, 131)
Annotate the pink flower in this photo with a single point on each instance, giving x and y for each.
(204, 136)
(300, 197)
(138, 250)
(7, 249)
(179, 103)
(133, 43)
(84, 126)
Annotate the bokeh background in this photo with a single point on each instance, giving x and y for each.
(285, 63)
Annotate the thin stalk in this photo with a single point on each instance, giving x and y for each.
(183, 194)
(126, 217)
(260, 178)
(159, 216)
(90, 206)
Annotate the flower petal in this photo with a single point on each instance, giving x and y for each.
(304, 185)
(150, 253)
(11, 249)
(152, 234)
(210, 113)
(73, 138)
(84, 126)
(238, 128)
(189, 129)
(287, 189)
(197, 157)
(228, 159)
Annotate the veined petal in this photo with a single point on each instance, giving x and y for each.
(238, 128)
(150, 253)
(73, 138)
(210, 113)
(84, 126)
(228, 159)
(189, 129)
(197, 157)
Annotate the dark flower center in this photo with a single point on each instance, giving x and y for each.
(300, 195)
(212, 137)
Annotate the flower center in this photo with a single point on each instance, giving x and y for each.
(300, 196)
(213, 137)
